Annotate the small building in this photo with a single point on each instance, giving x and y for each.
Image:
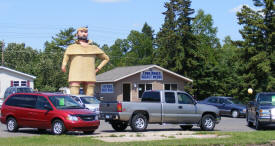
(10, 77)
(129, 83)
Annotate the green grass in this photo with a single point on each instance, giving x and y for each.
(236, 138)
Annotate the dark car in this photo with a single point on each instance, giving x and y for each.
(228, 106)
(57, 112)
(261, 111)
(17, 89)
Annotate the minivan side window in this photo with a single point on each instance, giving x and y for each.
(170, 97)
(150, 97)
(27, 101)
(41, 102)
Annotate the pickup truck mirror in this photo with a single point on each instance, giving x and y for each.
(101, 98)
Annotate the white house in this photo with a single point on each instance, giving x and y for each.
(10, 77)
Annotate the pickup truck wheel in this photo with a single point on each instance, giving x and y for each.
(207, 122)
(119, 126)
(258, 124)
(235, 114)
(12, 125)
(139, 123)
(186, 127)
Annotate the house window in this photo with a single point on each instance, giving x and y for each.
(23, 83)
(15, 83)
(170, 87)
(107, 88)
(142, 88)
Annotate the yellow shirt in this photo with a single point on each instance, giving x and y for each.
(82, 62)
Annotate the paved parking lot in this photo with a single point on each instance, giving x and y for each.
(227, 124)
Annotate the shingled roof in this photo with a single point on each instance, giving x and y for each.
(120, 73)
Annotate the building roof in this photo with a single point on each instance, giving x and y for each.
(17, 72)
(120, 73)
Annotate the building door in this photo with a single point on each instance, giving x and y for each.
(126, 92)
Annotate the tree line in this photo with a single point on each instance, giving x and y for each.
(186, 45)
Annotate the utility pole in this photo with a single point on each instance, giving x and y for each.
(3, 44)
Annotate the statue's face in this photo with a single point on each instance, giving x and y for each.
(82, 35)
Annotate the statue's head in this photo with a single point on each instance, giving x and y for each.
(82, 33)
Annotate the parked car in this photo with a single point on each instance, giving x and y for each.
(159, 107)
(17, 89)
(261, 111)
(228, 105)
(89, 102)
(57, 112)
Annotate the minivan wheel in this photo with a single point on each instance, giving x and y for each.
(207, 123)
(12, 125)
(235, 114)
(58, 127)
(119, 126)
(139, 123)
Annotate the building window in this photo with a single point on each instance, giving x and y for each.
(170, 87)
(107, 88)
(15, 83)
(23, 83)
(142, 88)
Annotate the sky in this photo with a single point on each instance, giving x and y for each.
(34, 22)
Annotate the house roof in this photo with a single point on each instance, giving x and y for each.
(17, 72)
(120, 73)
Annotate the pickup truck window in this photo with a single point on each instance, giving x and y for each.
(150, 97)
(266, 99)
(184, 99)
(170, 97)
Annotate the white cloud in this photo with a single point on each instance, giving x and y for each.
(109, 1)
(238, 8)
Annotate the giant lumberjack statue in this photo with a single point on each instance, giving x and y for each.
(81, 57)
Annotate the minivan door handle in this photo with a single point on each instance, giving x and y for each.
(180, 107)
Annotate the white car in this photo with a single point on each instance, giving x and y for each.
(89, 102)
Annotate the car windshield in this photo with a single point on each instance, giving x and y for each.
(90, 100)
(24, 90)
(235, 101)
(64, 102)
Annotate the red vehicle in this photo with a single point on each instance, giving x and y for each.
(57, 112)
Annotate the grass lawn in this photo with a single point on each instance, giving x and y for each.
(239, 138)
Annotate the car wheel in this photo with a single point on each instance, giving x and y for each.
(89, 132)
(12, 125)
(258, 125)
(58, 127)
(119, 126)
(235, 114)
(139, 123)
(186, 127)
(207, 123)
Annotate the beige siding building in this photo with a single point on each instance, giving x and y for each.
(128, 83)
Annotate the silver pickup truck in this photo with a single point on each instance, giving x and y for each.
(159, 107)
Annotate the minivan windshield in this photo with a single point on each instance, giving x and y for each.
(64, 102)
(267, 99)
(24, 90)
(90, 100)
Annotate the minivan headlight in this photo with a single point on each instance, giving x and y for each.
(72, 118)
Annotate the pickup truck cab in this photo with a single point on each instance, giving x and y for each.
(159, 107)
(261, 111)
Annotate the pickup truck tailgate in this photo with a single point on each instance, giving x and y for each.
(110, 106)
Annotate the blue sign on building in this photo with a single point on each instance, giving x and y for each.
(151, 75)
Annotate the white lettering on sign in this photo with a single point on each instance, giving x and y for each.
(151, 75)
(107, 88)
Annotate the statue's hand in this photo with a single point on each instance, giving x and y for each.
(96, 70)
(63, 69)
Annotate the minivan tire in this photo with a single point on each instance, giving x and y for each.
(119, 126)
(207, 123)
(58, 127)
(139, 123)
(12, 125)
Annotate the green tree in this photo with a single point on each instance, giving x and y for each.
(257, 46)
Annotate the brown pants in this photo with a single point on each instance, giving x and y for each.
(88, 88)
